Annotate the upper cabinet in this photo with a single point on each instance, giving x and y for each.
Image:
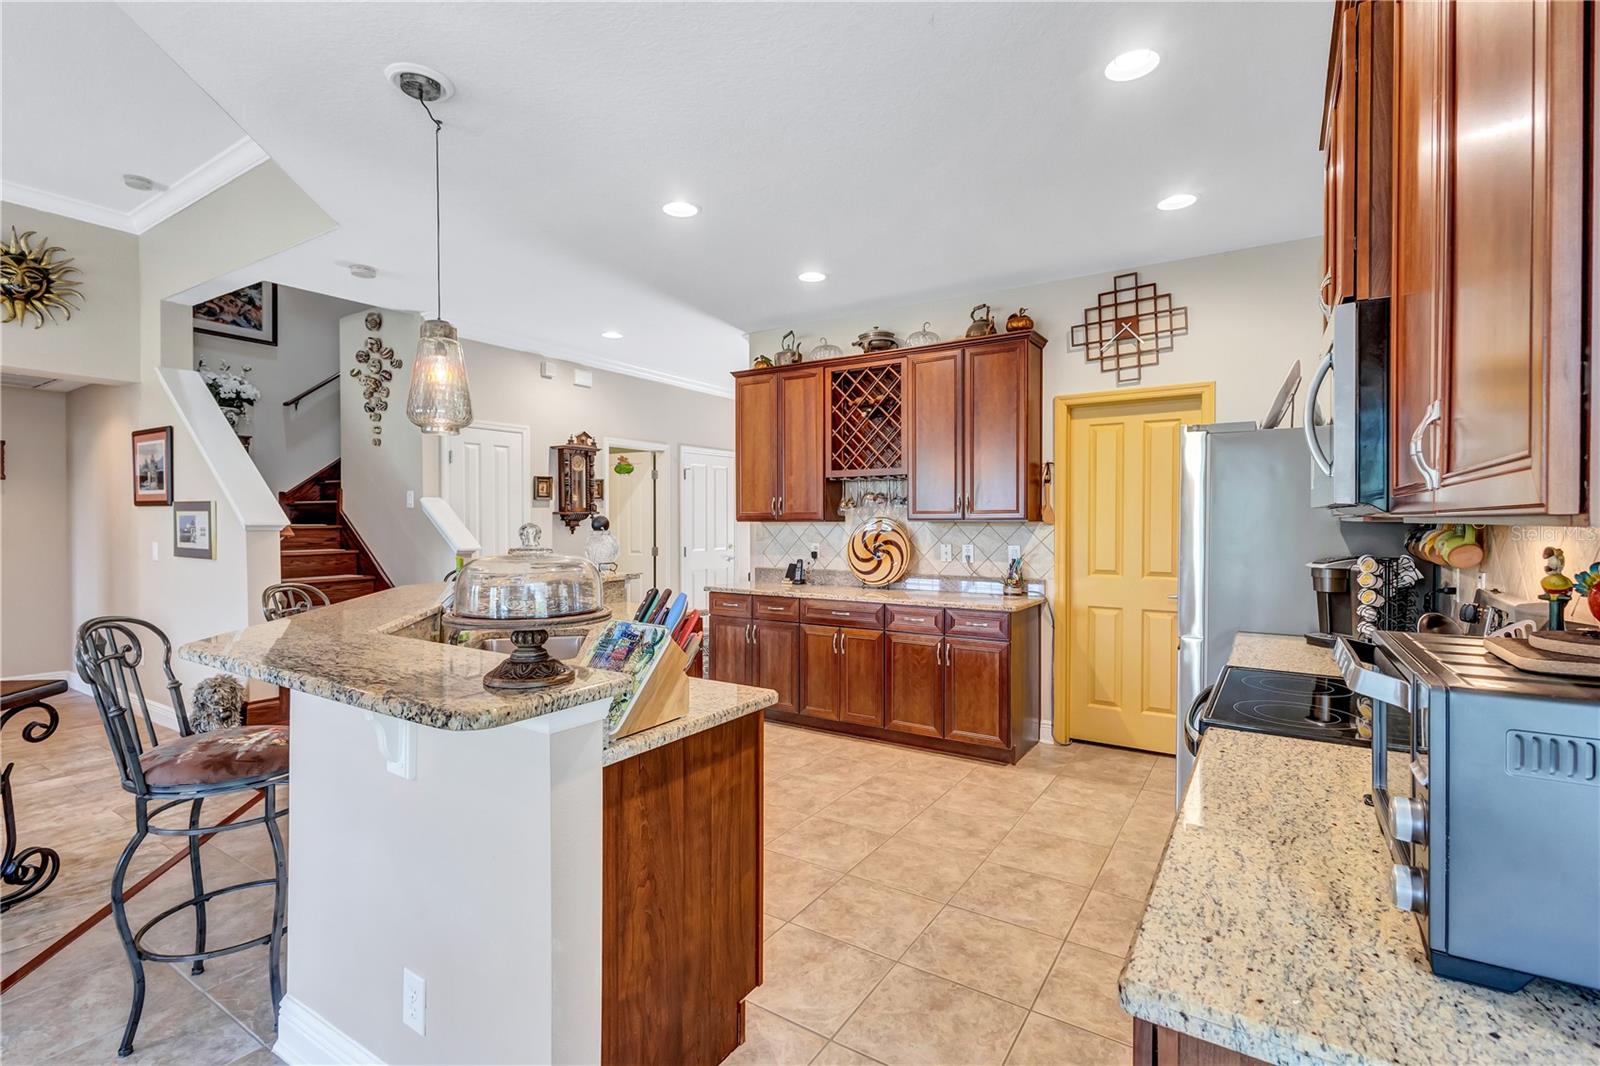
(1356, 140)
(961, 420)
(1486, 352)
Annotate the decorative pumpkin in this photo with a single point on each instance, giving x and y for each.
(762, 362)
(1020, 322)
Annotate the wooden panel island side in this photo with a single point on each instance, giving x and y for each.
(564, 899)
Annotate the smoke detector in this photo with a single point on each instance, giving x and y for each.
(416, 80)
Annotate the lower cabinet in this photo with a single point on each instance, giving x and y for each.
(925, 680)
(1156, 1045)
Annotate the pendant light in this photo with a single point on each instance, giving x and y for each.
(439, 400)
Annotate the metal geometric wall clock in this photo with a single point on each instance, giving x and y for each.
(1129, 328)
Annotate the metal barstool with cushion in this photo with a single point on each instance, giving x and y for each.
(189, 770)
(290, 597)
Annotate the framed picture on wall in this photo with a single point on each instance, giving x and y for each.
(247, 314)
(544, 488)
(152, 467)
(193, 535)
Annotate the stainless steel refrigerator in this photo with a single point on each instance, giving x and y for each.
(1247, 531)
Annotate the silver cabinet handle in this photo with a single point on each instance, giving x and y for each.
(780, 504)
(1322, 301)
(1318, 456)
(1430, 474)
(840, 614)
(772, 505)
(838, 642)
(943, 649)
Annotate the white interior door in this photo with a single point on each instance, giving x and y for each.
(633, 512)
(484, 478)
(713, 550)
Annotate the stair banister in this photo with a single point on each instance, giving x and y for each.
(294, 401)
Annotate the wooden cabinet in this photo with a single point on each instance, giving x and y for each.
(1356, 140)
(973, 430)
(1156, 1045)
(977, 689)
(821, 686)
(1487, 317)
(916, 690)
(730, 648)
(775, 661)
(780, 434)
(841, 675)
(760, 651)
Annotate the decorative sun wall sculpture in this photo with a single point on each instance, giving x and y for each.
(35, 280)
(1129, 328)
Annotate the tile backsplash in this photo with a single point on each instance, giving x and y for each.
(1514, 562)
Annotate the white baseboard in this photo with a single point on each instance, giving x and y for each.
(306, 1038)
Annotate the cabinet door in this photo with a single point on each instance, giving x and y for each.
(916, 693)
(730, 649)
(933, 434)
(1340, 167)
(803, 465)
(861, 666)
(757, 446)
(977, 692)
(775, 662)
(819, 671)
(998, 461)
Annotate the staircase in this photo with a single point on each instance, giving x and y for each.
(320, 547)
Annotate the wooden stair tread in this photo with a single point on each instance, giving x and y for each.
(286, 550)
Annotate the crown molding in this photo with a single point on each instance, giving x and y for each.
(595, 362)
(236, 159)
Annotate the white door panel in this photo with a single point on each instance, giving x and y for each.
(712, 547)
(485, 481)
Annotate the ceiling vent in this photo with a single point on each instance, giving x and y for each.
(24, 381)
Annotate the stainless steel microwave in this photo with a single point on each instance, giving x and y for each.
(1350, 451)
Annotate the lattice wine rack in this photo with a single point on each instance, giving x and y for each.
(865, 423)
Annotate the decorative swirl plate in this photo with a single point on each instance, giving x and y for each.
(879, 551)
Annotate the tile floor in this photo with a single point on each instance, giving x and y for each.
(920, 909)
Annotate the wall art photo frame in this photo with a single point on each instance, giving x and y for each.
(247, 314)
(194, 534)
(544, 487)
(152, 467)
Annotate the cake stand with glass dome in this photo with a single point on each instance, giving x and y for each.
(518, 591)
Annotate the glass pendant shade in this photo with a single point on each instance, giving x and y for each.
(439, 401)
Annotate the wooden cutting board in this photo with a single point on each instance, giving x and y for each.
(1584, 643)
(1524, 656)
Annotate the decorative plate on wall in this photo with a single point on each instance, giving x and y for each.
(879, 551)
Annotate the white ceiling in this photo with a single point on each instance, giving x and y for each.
(85, 97)
(907, 150)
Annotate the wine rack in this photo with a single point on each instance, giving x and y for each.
(866, 435)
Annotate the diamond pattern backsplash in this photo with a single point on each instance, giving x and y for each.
(777, 544)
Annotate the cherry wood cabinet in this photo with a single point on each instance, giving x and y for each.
(1486, 354)
(956, 680)
(782, 454)
(1156, 1045)
(1356, 140)
(933, 435)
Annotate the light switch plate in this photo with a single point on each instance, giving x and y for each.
(1013, 552)
(944, 553)
(411, 499)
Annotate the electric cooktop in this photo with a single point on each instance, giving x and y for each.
(1296, 705)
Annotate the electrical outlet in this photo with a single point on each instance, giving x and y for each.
(816, 550)
(155, 551)
(411, 499)
(944, 553)
(967, 553)
(1013, 552)
(414, 1002)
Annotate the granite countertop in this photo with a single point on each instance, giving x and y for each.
(975, 601)
(710, 704)
(1269, 929)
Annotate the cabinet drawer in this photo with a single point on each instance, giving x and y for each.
(916, 619)
(776, 608)
(994, 625)
(736, 604)
(839, 613)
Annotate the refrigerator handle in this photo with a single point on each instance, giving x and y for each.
(1191, 731)
(1318, 456)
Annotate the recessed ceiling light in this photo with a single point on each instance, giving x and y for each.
(1176, 202)
(680, 209)
(138, 182)
(363, 271)
(1131, 65)
(611, 335)
(811, 277)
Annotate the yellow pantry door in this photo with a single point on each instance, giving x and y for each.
(1121, 524)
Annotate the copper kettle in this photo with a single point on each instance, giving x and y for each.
(981, 327)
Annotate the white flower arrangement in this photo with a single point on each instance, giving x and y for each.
(233, 392)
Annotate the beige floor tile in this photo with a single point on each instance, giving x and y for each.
(989, 800)
(839, 1055)
(1146, 832)
(258, 1057)
(1074, 820)
(773, 1041)
(871, 810)
(1128, 871)
(876, 917)
(770, 925)
(798, 792)
(942, 824)
(1077, 861)
(1033, 901)
(1163, 778)
(1111, 764)
(248, 997)
(915, 1017)
(814, 980)
(915, 867)
(985, 954)
(790, 884)
(907, 785)
(1111, 797)
(1082, 991)
(42, 1020)
(776, 821)
(846, 768)
(823, 842)
(779, 762)
(946, 769)
(1046, 758)
(1047, 1042)
(189, 1029)
(1107, 923)
(1012, 778)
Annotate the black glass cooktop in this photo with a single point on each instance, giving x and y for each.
(1294, 705)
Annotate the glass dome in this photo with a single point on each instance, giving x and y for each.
(527, 583)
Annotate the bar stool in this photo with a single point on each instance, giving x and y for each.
(290, 597)
(189, 770)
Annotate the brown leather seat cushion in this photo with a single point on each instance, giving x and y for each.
(213, 758)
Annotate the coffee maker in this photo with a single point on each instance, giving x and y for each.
(1336, 614)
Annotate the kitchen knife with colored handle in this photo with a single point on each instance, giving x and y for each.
(644, 606)
(693, 650)
(685, 627)
(658, 613)
(675, 612)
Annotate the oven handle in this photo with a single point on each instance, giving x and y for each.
(1191, 731)
(1367, 680)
